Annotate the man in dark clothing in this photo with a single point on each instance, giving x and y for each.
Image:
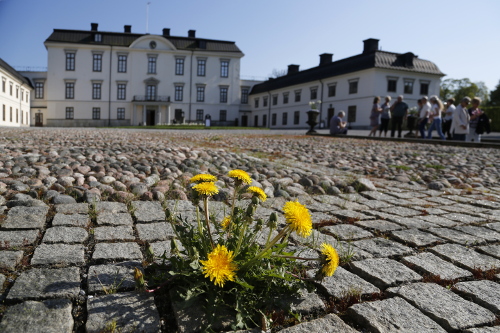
(399, 111)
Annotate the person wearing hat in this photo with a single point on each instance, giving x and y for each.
(460, 122)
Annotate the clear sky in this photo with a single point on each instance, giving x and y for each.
(461, 37)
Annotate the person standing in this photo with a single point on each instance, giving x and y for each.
(437, 107)
(374, 115)
(337, 125)
(423, 117)
(385, 117)
(450, 109)
(475, 112)
(399, 112)
(460, 122)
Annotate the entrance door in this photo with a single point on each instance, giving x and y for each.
(150, 117)
(331, 113)
(39, 119)
(244, 121)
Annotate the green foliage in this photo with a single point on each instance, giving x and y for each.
(459, 89)
(495, 96)
(435, 166)
(493, 112)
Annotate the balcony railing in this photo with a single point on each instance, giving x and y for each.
(145, 98)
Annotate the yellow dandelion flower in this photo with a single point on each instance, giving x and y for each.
(203, 178)
(258, 192)
(207, 188)
(330, 259)
(220, 266)
(240, 175)
(298, 217)
(225, 222)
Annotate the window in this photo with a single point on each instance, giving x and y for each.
(17, 91)
(424, 88)
(392, 84)
(353, 86)
(122, 63)
(179, 66)
(223, 94)
(22, 94)
(275, 99)
(150, 92)
(179, 93)
(17, 115)
(121, 91)
(199, 115)
(4, 83)
(332, 90)
(264, 101)
(70, 90)
(96, 91)
(70, 113)
(408, 87)
(297, 96)
(264, 120)
(120, 113)
(3, 112)
(200, 94)
(222, 115)
(224, 68)
(98, 38)
(296, 117)
(244, 95)
(314, 93)
(11, 114)
(273, 119)
(151, 64)
(27, 97)
(96, 113)
(285, 98)
(70, 61)
(351, 114)
(284, 119)
(38, 90)
(202, 64)
(97, 62)
(256, 101)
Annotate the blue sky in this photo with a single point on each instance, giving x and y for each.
(461, 37)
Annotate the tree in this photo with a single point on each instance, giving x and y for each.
(278, 73)
(495, 96)
(459, 89)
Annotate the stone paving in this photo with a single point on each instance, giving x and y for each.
(425, 261)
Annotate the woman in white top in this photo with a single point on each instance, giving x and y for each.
(435, 117)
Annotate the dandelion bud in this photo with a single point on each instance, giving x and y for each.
(251, 210)
(273, 220)
(150, 254)
(255, 201)
(139, 279)
(259, 224)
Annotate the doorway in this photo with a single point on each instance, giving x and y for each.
(39, 119)
(244, 121)
(331, 113)
(150, 117)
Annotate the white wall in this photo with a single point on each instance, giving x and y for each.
(17, 103)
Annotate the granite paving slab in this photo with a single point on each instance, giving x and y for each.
(328, 324)
(488, 234)
(457, 236)
(21, 217)
(148, 211)
(155, 231)
(409, 222)
(428, 263)
(463, 218)
(492, 250)
(465, 257)
(493, 226)
(485, 293)
(376, 204)
(407, 195)
(130, 311)
(443, 306)
(415, 237)
(392, 315)
(381, 247)
(112, 278)
(118, 233)
(110, 207)
(351, 216)
(117, 251)
(337, 203)
(439, 220)
(318, 217)
(50, 316)
(344, 283)
(354, 197)
(347, 232)
(17, 238)
(59, 254)
(384, 272)
(375, 195)
(401, 211)
(495, 329)
(441, 200)
(303, 302)
(107, 218)
(10, 259)
(74, 208)
(165, 247)
(68, 235)
(45, 283)
(463, 209)
(176, 206)
(2, 281)
(379, 225)
(76, 220)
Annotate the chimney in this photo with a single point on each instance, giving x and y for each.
(292, 69)
(192, 33)
(166, 32)
(325, 59)
(93, 26)
(127, 28)
(371, 45)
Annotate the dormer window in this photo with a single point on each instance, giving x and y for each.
(98, 38)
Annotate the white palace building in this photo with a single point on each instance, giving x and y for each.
(96, 78)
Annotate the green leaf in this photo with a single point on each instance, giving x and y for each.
(243, 284)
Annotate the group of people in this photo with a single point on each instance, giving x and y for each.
(458, 123)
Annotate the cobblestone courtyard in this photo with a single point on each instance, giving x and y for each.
(78, 206)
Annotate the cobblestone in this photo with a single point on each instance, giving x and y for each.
(384, 272)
